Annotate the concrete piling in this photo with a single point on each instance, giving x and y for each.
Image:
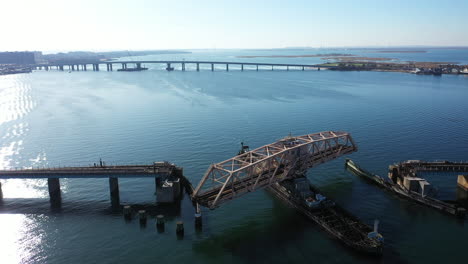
(160, 223)
(212, 67)
(227, 67)
(257, 67)
(142, 217)
(54, 190)
(1, 193)
(242, 67)
(127, 212)
(180, 228)
(114, 191)
(183, 66)
(198, 66)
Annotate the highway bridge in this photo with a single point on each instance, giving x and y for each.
(98, 65)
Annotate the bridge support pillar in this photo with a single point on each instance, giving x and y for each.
(287, 68)
(54, 190)
(73, 67)
(78, 67)
(227, 67)
(319, 69)
(198, 66)
(114, 191)
(1, 193)
(257, 67)
(271, 67)
(183, 66)
(242, 67)
(107, 66)
(302, 67)
(97, 67)
(46, 68)
(111, 67)
(212, 67)
(84, 67)
(61, 67)
(138, 65)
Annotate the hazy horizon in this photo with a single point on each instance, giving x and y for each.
(53, 25)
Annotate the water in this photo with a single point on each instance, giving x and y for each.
(197, 118)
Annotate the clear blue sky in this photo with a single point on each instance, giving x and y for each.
(166, 24)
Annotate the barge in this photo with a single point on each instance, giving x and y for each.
(133, 69)
(298, 193)
(410, 188)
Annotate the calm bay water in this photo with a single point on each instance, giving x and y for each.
(197, 118)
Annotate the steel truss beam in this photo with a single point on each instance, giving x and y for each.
(268, 164)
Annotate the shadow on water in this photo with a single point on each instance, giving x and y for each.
(44, 206)
(254, 242)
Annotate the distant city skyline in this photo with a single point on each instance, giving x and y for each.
(52, 25)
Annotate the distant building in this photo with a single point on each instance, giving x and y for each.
(17, 57)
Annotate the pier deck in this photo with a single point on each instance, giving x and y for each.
(128, 171)
(158, 170)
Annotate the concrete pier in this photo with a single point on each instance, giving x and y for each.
(183, 66)
(227, 67)
(114, 191)
(242, 67)
(198, 66)
(212, 67)
(257, 67)
(54, 190)
(1, 193)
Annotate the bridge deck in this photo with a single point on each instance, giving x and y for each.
(188, 62)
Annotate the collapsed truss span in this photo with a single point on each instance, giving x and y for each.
(268, 164)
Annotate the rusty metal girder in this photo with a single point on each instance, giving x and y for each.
(268, 164)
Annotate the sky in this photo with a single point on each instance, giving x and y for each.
(96, 25)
